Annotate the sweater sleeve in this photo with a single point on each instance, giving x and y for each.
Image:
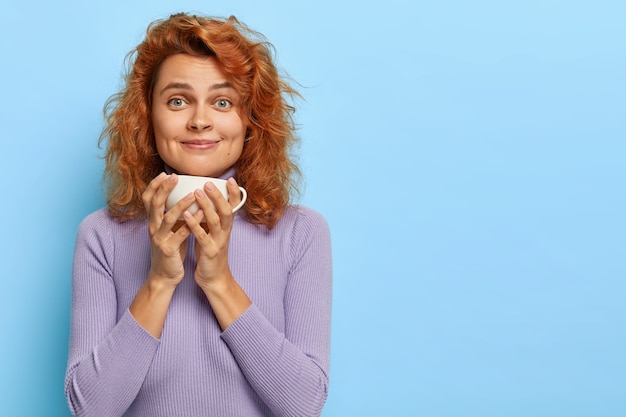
(290, 371)
(108, 359)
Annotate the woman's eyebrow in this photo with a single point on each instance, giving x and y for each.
(185, 86)
(218, 86)
(176, 86)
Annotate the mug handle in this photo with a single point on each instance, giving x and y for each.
(244, 197)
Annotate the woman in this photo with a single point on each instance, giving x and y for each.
(221, 314)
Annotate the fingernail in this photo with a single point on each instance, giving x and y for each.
(209, 186)
(189, 196)
(161, 175)
(232, 181)
(171, 177)
(199, 194)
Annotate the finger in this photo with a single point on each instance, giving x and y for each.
(234, 193)
(170, 242)
(160, 196)
(154, 199)
(181, 232)
(178, 224)
(151, 189)
(171, 238)
(220, 203)
(212, 218)
(154, 217)
(174, 214)
(194, 224)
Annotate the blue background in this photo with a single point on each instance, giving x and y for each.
(468, 155)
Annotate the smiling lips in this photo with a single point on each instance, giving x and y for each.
(200, 144)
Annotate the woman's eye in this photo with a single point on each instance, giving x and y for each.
(223, 104)
(177, 102)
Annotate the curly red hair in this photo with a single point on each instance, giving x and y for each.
(266, 167)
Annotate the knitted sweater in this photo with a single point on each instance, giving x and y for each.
(272, 361)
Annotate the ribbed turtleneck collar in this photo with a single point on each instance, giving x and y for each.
(230, 172)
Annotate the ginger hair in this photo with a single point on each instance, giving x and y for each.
(266, 167)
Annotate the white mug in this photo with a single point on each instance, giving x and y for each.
(189, 183)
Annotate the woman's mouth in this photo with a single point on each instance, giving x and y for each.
(200, 144)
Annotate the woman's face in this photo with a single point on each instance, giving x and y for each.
(196, 117)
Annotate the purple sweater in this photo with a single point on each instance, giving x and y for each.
(273, 360)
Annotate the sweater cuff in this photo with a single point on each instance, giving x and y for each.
(136, 339)
(247, 322)
(251, 332)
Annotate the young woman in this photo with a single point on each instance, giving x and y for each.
(221, 314)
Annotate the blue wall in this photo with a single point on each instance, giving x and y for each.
(469, 157)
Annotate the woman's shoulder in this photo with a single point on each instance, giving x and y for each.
(95, 220)
(98, 219)
(303, 214)
(304, 221)
(101, 221)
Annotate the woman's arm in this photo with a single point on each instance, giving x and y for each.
(109, 359)
(228, 300)
(290, 371)
(167, 252)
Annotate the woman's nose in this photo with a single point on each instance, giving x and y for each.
(200, 120)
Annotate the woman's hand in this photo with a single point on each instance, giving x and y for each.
(213, 275)
(168, 246)
(213, 237)
(168, 243)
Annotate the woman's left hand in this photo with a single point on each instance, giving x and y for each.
(213, 237)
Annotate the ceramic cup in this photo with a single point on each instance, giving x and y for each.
(189, 183)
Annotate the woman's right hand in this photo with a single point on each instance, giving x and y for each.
(168, 243)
